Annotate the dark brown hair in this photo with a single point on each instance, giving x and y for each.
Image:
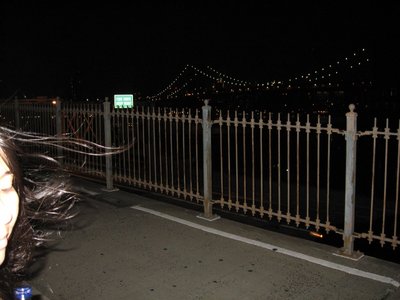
(45, 200)
(45, 197)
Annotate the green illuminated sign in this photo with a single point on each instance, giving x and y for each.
(123, 101)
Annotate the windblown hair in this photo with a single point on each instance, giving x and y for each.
(46, 201)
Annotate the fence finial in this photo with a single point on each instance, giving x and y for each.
(352, 107)
(206, 102)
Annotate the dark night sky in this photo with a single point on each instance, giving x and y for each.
(122, 48)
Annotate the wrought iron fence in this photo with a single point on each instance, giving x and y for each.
(295, 169)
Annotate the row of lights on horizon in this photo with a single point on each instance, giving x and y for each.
(314, 77)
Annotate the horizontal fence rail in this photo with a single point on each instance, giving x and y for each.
(295, 169)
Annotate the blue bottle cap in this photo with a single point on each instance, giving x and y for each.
(23, 292)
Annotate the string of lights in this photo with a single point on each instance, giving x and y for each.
(330, 75)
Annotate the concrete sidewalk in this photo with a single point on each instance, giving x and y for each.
(127, 246)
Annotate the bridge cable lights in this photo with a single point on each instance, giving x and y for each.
(321, 74)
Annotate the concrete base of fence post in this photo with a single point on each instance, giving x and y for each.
(208, 218)
(357, 255)
(208, 215)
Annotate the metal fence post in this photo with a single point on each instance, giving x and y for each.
(107, 144)
(207, 163)
(350, 185)
(59, 128)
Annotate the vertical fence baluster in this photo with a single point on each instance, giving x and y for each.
(99, 138)
(328, 173)
(261, 123)
(139, 160)
(135, 142)
(317, 221)
(197, 121)
(155, 181)
(171, 153)
(184, 154)
(178, 177)
(244, 162)
(59, 129)
(253, 207)
(270, 166)
(121, 142)
(371, 216)
(165, 118)
(298, 171)
(16, 114)
(288, 125)
(150, 180)
(190, 154)
(308, 130)
(221, 159)
(236, 123)
(279, 128)
(107, 144)
(145, 178)
(161, 184)
(128, 141)
(386, 137)
(394, 237)
(228, 124)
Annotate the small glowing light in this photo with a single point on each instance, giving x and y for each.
(316, 234)
(54, 102)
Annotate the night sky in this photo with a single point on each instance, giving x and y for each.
(124, 48)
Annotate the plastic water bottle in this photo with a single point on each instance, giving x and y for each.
(23, 292)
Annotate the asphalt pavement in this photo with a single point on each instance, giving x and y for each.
(127, 245)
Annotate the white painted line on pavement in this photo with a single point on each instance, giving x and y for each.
(315, 260)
